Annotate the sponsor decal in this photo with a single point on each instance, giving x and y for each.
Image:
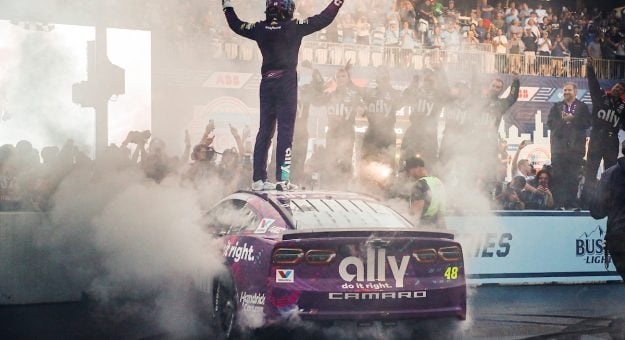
(238, 253)
(487, 244)
(353, 268)
(609, 116)
(276, 230)
(589, 246)
(264, 225)
(378, 295)
(286, 167)
(285, 275)
(252, 302)
(227, 80)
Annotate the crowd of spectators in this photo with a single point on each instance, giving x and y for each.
(29, 178)
(517, 32)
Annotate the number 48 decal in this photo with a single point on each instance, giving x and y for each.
(451, 273)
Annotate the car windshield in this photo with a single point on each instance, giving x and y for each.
(331, 213)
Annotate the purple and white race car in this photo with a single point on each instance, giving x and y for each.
(330, 256)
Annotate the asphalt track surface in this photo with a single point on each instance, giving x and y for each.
(495, 312)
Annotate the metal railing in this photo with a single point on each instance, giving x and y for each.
(477, 58)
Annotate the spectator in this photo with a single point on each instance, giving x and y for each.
(530, 41)
(541, 198)
(515, 28)
(436, 40)
(486, 10)
(451, 13)
(619, 55)
(500, 44)
(347, 29)
(451, 37)
(558, 52)
(568, 121)
(363, 31)
(509, 198)
(594, 49)
(577, 47)
(544, 51)
(391, 36)
(499, 21)
(515, 46)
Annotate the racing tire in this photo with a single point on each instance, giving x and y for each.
(225, 309)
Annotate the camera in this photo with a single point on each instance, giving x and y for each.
(203, 153)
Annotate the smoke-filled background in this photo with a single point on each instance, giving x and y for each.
(134, 226)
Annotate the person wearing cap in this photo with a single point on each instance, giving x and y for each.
(608, 111)
(609, 201)
(427, 197)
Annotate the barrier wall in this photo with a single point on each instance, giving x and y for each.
(526, 247)
(533, 247)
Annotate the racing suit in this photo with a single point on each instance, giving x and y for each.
(279, 43)
(307, 96)
(379, 141)
(342, 106)
(609, 200)
(607, 113)
(425, 111)
(486, 131)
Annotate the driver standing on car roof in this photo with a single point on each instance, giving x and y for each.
(279, 37)
(427, 196)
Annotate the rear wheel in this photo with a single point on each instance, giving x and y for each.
(224, 308)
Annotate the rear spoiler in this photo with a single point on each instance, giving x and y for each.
(360, 232)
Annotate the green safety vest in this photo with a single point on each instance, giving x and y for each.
(437, 202)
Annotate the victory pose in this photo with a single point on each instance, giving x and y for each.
(279, 38)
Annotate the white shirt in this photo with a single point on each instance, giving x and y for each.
(501, 41)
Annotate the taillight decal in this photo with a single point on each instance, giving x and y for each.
(320, 257)
(450, 254)
(287, 256)
(425, 255)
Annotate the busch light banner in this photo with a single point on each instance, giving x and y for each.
(533, 247)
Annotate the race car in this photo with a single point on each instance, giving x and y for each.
(323, 256)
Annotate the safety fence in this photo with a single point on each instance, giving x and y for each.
(476, 58)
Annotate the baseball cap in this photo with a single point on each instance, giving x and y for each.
(411, 163)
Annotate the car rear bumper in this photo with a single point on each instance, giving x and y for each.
(358, 315)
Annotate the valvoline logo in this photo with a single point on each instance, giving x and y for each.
(285, 275)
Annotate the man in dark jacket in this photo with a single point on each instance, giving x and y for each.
(609, 201)
(568, 121)
(279, 38)
(608, 111)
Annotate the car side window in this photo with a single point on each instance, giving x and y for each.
(231, 217)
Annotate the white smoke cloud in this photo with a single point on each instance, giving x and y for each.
(127, 238)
